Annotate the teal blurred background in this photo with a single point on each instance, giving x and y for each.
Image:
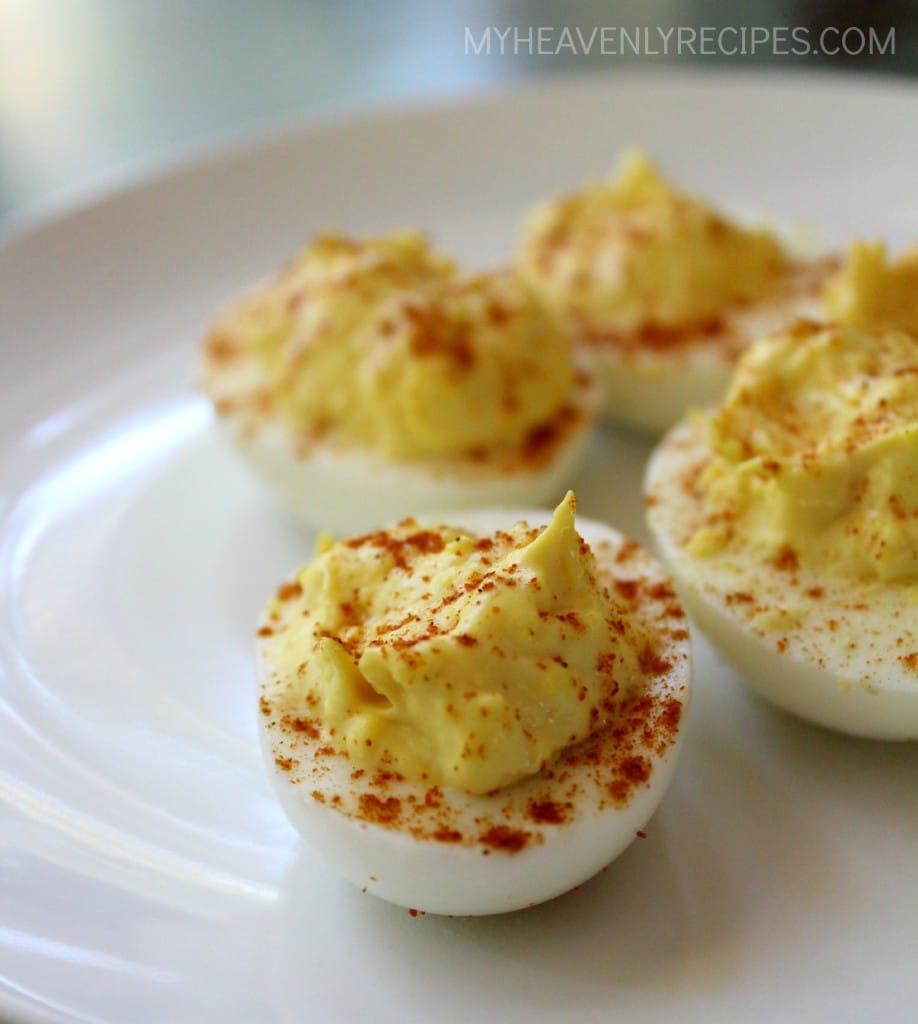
(94, 92)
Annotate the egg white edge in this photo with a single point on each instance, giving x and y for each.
(352, 491)
(823, 696)
(650, 390)
(444, 881)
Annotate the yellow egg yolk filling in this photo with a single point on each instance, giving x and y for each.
(454, 659)
(815, 454)
(873, 292)
(384, 345)
(635, 254)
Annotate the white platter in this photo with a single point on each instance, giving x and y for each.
(146, 873)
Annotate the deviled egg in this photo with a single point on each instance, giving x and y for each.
(471, 719)
(372, 379)
(789, 518)
(874, 292)
(661, 291)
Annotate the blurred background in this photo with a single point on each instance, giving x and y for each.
(95, 92)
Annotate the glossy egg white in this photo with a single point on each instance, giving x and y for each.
(447, 852)
(648, 387)
(822, 648)
(321, 484)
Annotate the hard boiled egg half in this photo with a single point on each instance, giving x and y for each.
(789, 518)
(474, 718)
(661, 292)
(372, 380)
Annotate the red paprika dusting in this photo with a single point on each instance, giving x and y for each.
(787, 559)
(302, 725)
(606, 768)
(447, 835)
(651, 663)
(572, 619)
(660, 337)
(543, 440)
(627, 589)
(289, 591)
(434, 335)
(424, 542)
(382, 812)
(636, 769)
(547, 812)
(505, 839)
(221, 348)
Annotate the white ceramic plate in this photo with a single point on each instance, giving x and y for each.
(146, 873)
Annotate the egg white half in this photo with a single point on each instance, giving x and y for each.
(648, 387)
(827, 650)
(447, 852)
(321, 483)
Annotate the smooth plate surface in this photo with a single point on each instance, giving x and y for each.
(146, 873)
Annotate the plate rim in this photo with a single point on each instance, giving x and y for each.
(210, 156)
(163, 168)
